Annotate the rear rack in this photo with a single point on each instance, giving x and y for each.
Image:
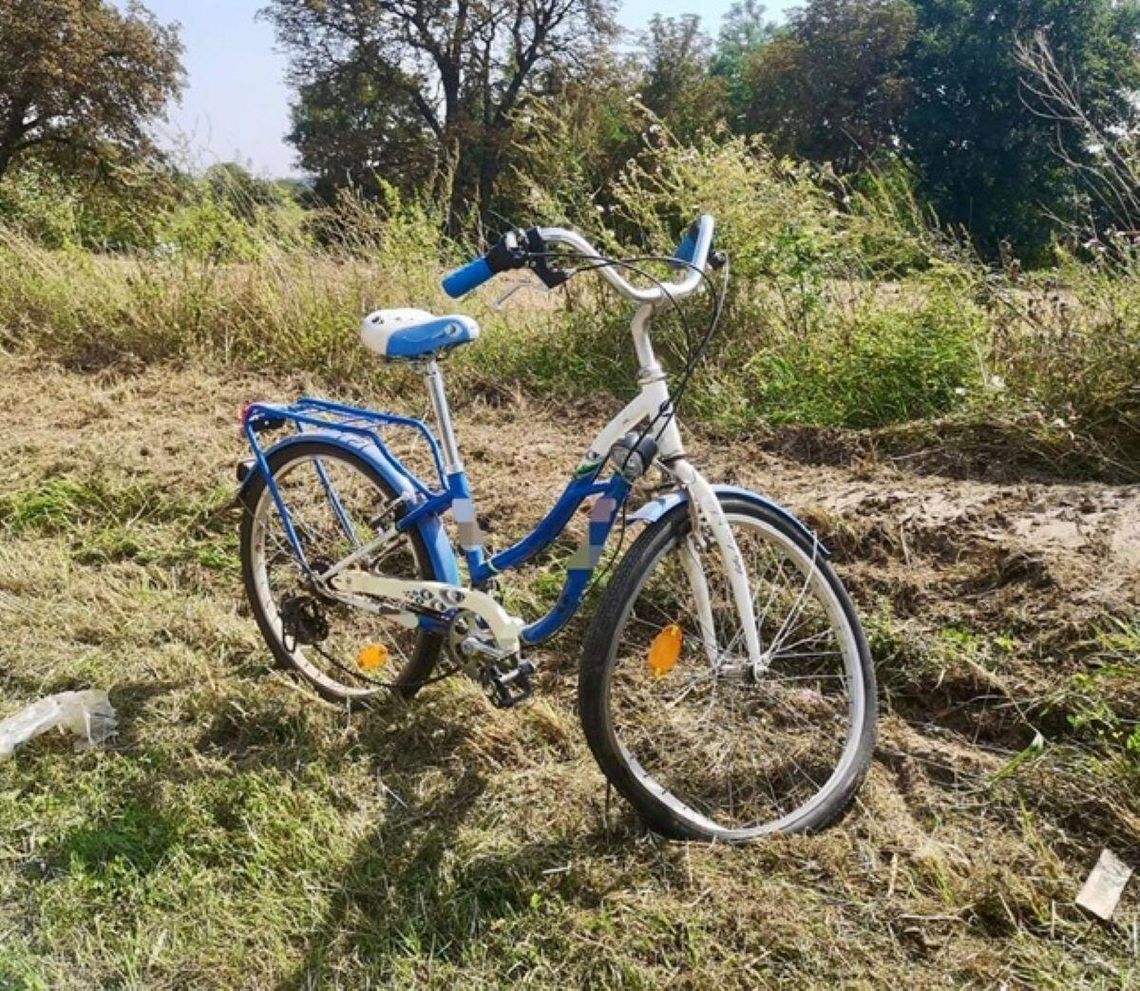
(311, 415)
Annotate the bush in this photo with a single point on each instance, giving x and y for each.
(40, 206)
(1066, 348)
(877, 366)
(118, 213)
(844, 309)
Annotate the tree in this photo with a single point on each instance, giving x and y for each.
(986, 159)
(832, 86)
(465, 68)
(677, 85)
(743, 32)
(570, 146)
(360, 128)
(1106, 158)
(81, 80)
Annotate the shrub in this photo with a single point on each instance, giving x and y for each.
(41, 206)
(117, 213)
(844, 309)
(876, 366)
(1066, 348)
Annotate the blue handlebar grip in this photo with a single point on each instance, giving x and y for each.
(687, 248)
(470, 276)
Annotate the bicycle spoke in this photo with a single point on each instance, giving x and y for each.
(331, 504)
(738, 748)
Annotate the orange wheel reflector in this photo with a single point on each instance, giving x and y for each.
(665, 650)
(372, 658)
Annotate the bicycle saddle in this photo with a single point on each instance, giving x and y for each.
(406, 334)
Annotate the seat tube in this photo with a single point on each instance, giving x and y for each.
(462, 504)
(433, 378)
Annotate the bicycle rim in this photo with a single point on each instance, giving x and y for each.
(729, 749)
(335, 509)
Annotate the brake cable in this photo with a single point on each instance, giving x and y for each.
(668, 410)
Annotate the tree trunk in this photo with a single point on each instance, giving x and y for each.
(445, 182)
(13, 133)
(490, 165)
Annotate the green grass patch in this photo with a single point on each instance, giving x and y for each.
(879, 368)
(135, 522)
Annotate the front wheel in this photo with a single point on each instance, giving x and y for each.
(704, 744)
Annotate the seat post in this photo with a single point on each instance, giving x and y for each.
(433, 378)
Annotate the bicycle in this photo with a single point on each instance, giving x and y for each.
(725, 689)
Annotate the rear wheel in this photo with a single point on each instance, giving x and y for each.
(700, 742)
(338, 503)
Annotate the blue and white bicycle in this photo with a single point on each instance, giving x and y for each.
(725, 686)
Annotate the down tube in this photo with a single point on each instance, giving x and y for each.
(580, 567)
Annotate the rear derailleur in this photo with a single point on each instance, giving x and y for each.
(302, 621)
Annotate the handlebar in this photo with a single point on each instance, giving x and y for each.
(509, 253)
(688, 246)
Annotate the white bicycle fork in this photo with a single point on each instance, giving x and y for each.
(710, 513)
(647, 406)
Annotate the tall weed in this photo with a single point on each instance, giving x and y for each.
(846, 306)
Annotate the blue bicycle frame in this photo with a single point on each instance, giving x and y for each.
(360, 432)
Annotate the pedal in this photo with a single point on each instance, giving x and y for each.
(506, 689)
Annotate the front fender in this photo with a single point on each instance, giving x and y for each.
(439, 548)
(656, 508)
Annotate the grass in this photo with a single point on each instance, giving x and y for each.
(240, 833)
(857, 319)
(134, 522)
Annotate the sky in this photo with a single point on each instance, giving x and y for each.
(236, 104)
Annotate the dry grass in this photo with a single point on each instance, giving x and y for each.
(239, 833)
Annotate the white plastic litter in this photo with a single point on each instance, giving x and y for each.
(1105, 885)
(89, 715)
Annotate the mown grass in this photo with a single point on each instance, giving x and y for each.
(133, 522)
(239, 833)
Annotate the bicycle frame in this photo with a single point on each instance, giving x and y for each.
(678, 631)
(360, 431)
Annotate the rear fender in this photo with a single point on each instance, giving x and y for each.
(655, 509)
(434, 535)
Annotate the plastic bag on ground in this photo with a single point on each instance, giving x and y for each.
(88, 715)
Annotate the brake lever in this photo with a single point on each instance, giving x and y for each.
(513, 289)
(539, 261)
(502, 301)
